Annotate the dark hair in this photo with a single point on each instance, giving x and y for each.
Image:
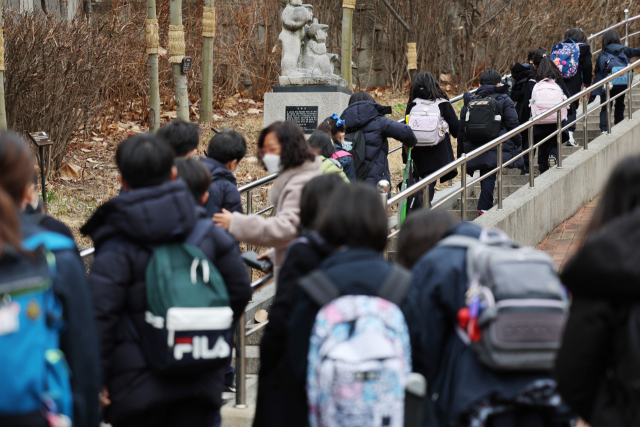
(426, 84)
(490, 77)
(330, 126)
(360, 96)
(226, 146)
(576, 34)
(536, 51)
(195, 174)
(182, 136)
(354, 217)
(421, 232)
(314, 198)
(295, 150)
(144, 160)
(621, 194)
(610, 37)
(322, 141)
(16, 172)
(547, 69)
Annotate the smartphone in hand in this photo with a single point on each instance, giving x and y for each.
(251, 259)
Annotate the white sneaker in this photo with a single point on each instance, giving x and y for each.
(553, 161)
(604, 132)
(571, 142)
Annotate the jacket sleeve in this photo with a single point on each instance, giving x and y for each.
(586, 62)
(510, 119)
(450, 117)
(79, 341)
(632, 52)
(582, 359)
(232, 201)
(401, 132)
(460, 147)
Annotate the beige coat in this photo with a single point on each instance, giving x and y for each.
(278, 231)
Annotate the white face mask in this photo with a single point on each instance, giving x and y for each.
(272, 162)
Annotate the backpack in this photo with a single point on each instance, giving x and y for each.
(359, 354)
(567, 57)
(188, 320)
(35, 375)
(355, 144)
(516, 307)
(483, 121)
(614, 63)
(427, 122)
(546, 95)
(341, 153)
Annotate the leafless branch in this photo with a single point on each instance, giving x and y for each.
(395, 14)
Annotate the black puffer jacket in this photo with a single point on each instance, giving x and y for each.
(223, 191)
(604, 279)
(140, 218)
(370, 117)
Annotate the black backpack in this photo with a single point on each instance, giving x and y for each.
(358, 144)
(482, 121)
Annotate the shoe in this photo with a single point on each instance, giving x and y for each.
(552, 161)
(524, 171)
(480, 213)
(226, 395)
(571, 142)
(604, 132)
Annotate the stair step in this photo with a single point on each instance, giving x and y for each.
(252, 359)
(471, 215)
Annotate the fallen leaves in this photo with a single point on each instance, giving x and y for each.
(70, 171)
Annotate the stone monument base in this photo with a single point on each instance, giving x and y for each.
(312, 81)
(305, 105)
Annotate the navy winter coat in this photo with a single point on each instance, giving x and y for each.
(510, 147)
(138, 219)
(457, 381)
(79, 341)
(600, 71)
(223, 191)
(370, 117)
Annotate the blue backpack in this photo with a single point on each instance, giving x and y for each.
(566, 56)
(615, 62)
(34, 372)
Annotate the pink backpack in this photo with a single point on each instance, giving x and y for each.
(546, 95)
(341, 153)
(426, 122)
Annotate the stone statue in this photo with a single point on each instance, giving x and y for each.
(305, 60)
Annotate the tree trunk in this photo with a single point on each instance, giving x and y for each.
(346, 50)
(154, 88)
(88, 9)
(3, 110)
(179, 78)
(206, 96)
(468, 58)
(412, 38)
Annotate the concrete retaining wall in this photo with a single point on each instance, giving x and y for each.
(530, 214)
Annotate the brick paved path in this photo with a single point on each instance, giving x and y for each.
(562, 243)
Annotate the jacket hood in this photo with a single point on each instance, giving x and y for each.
(465, 229)
(608, 265)
(360, 113)
(614, 48)
(152, 215)
(486, 90)
(218, 169)
(520, 71)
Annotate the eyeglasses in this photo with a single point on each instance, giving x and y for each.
(339, 122)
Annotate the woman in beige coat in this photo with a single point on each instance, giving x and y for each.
(283, 149)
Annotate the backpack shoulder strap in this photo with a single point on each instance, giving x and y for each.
(319, 287)
(52, 241)
(395, 285)
(202, 227)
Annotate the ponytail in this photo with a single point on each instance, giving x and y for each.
(9, 223)
(547, 69)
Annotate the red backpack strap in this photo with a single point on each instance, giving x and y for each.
(341, 153)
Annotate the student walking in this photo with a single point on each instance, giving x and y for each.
(614, 57)
(365, 115)
(428, 157)
(322, 145)
(336, 128)
(599, 363)
(283, 150)
(160, 215)
(495, 113)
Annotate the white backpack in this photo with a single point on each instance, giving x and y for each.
(427, 123)
(546, 95)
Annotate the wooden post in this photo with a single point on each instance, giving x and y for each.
(346, 51)
(176, 50)
(152, 36)
(208, 33)
(3, 110)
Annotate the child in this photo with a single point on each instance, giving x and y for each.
(321, 144)
(182, 136)
(225, 151)
(197, 177)
(160, 210)
(337, 130)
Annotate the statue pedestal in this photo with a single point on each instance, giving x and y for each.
(305, 105)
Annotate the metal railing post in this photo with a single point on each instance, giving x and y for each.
(500, 177)
(531, 165)
(249, 212)
(241, 363)
(383, 188)
(426, 196)
(559, 138)
(585, 123)
(626, 27)
(629, 87)
(608, 93)
(463, 184)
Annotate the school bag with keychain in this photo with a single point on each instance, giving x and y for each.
(566, 56)
(359, 356)
(35, 375)
(427, 122)
(187, 324)
(614, 62)
(516, 307)
(482, 121)
(546, 95)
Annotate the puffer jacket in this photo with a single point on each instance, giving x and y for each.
(370, 118)
(137, 220)
(510, 147)
(223, 191)
(332, 166)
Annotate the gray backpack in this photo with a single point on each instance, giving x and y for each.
(519, 303)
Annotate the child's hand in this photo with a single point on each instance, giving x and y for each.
(223, 219)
